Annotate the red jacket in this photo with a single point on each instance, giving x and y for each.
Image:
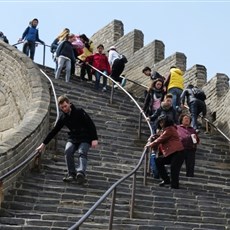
(99, 61)
(169, 141)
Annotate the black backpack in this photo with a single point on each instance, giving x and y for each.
(123, 58)
(199, 94)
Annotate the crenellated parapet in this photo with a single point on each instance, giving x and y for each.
(153, 55)
(218, 103)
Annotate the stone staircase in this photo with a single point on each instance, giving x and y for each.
(42, 201)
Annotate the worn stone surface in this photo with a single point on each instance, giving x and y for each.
(24, 103)
(41, 201)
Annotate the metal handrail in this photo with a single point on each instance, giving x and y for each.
(107, 193)
(55, 96)
(127, 93)
(114, 186)
(214, 126)
(32, 155)
(137, 83)
(35, 154)
(37, 43)
(133, 172)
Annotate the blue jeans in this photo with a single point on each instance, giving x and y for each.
(196, 107)
(62, 61)
(98, 76)
(82, 149)
(176, 92)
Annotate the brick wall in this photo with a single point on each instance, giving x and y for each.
(24, 104)
(153, 55)
(24, 95)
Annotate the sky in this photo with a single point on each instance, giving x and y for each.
(196, 28)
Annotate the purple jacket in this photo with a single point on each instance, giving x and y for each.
(185, 136)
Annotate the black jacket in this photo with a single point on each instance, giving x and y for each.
(81, 126)
(163, 110)
(65, 48)
(187, 94)
(149, 99)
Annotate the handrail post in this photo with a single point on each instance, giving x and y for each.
(44, 54)
(112, 209)
(145, 168)
(1, 192)
(139, 126)
(133, 195)
(36, 163)
(206, 126)
(112, 92)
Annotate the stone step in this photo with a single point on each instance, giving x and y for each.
(43, 201)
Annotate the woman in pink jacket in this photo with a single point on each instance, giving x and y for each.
(172, 150)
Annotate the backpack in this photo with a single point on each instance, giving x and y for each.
(199, 94)
(123, 58)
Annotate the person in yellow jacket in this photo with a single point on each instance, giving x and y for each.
(87, 51)
(174, 83)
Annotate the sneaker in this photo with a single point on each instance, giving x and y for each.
(163, 183)
(104, 89)
(69, 178)
(115, 87)
(80, 178)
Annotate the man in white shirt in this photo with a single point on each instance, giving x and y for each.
(117, 65)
